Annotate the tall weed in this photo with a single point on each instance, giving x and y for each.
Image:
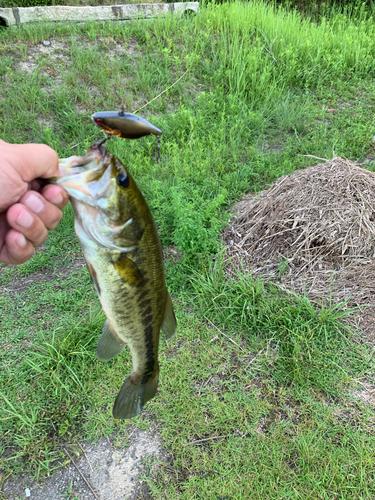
(259, 48)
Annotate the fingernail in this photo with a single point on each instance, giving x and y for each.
(21, 240)
(25, 219)
(57, 200)
(34, 203)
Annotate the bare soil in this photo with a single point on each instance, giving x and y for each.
(112, 473)
(21, 284)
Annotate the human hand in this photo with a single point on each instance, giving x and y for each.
(27, 210)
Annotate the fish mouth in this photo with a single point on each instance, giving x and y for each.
(77, 172)
(95, 155)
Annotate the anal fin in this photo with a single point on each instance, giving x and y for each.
(169, 324)
(109, 344)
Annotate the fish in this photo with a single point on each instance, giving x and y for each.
(124, 256)
(125, 125)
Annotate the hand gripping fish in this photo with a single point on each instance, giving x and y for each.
(124, 256)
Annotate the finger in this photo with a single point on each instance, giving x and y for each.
(32, 160)
(16, 249)
(47, 212)
(23, 220)
(55, 195)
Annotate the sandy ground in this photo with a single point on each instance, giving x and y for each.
(113, 473)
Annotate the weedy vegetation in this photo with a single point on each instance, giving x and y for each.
(258, 384)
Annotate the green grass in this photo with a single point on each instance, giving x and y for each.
(271, 407)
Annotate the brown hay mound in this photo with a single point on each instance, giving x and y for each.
(312, 231)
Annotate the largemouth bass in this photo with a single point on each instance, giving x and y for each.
(124, 256)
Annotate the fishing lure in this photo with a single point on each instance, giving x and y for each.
(125, 125)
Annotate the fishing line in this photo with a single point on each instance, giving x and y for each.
(161, 93)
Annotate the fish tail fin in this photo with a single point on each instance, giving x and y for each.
(133, 396)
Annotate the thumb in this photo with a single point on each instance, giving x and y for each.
(31, 160)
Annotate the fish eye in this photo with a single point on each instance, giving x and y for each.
(123, 180)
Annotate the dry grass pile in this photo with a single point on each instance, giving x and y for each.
(313, 231)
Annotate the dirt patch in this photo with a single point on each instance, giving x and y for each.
(117, 48)
(113, 473)
(171, 253)
(313, 231)
(49, 58)
(51, 50)
(366, 394)
(21, 284)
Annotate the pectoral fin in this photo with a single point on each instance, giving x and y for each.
(94, 278)
(169, 324)
(109, 344)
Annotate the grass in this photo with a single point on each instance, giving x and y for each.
(271, 408)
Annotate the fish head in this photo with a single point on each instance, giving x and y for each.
(108, 205)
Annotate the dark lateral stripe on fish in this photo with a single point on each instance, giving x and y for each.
(147, 320)
(144, 304)
(144, 301)
(141, 285)
(150, 355)
(147, 311)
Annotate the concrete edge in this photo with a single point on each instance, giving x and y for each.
(21, 15)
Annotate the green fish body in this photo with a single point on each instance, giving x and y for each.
(124, 256)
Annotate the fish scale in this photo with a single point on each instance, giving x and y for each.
(124, 256)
